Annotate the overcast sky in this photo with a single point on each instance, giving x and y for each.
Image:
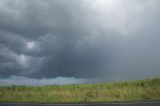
(74, 40)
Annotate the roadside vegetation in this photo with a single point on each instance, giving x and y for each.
(148, 89)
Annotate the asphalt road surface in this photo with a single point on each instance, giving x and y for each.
(84, 104)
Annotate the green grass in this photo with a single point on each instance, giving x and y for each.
(148, 89)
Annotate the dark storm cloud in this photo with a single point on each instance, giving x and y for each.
(80, 38)
(58, 29)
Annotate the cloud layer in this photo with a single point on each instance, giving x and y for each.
(19, 80)
(106, 39)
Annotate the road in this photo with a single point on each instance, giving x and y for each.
(84, 104)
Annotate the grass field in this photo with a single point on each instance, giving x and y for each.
(148, 89)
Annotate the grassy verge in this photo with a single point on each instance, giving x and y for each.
(148, 89)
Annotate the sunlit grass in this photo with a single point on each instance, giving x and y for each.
(148, 89)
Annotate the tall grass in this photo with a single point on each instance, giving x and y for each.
(148, 89)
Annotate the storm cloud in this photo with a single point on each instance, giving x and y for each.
(108, 39)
